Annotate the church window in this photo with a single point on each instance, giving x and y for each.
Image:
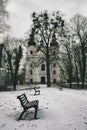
(31, 72)
(54, 65)
(54, 53)
(31, 65)
(42, 67)
(54, 80)
(31, 52)
(54, 72)
(31, 80)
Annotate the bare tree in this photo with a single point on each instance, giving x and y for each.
(77, 64)
(79, 27)
(14, 54)
(3, 16)
(67, 56)
(1, 53)
(46, 31)
(3, 25)
(14, 63)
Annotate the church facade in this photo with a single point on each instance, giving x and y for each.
(36, 67)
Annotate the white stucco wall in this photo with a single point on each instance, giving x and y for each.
(37, 73)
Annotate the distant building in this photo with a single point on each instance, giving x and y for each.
(36, 67)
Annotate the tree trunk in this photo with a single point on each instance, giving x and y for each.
(14, 87)
(84, 67)
(1, 48)
(15, 80)
(48, 67)
(70, 73)
(48, 74)
(70, 80)
(81, 69)
(77, 78)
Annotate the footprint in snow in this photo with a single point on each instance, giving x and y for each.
(2, 125)
(84, 117)
(85, 123)
(70, 124)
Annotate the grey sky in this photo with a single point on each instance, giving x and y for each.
(20, 11)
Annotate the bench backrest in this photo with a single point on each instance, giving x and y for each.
(23, 100)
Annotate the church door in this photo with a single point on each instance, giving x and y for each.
(43, 80)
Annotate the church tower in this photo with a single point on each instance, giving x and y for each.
(36, 67)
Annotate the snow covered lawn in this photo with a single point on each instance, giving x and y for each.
(58, 110)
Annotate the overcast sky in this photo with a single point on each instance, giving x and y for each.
(20, 11)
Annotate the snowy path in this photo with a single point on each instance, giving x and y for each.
(58, 110)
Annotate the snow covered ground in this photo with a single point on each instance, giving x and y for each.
(58, 110)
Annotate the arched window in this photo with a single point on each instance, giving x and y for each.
(31, 80)
(42, 67)
(31, 72)
(54, 72)
(31, 52)
(54, 52)
(54, 80)
(54, 65)
(31, 65)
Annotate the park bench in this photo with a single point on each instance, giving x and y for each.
(36, 91)
(27, 105)
(60, 88)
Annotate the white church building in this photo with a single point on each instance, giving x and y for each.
(36, 68)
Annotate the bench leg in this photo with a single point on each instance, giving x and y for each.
(35, 116)
(35, 93)
(21, 115)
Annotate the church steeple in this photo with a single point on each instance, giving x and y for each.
(31, 40)
(54, 42)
